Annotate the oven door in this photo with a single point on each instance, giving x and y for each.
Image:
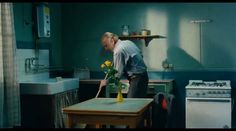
(208, 112)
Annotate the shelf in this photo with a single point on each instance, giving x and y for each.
(147, 38)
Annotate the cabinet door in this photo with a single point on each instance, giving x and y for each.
(157, 87)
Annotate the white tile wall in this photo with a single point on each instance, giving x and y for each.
(21, 55)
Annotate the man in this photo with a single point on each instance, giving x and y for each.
(128, 61)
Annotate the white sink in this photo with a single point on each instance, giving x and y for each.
(48, 86)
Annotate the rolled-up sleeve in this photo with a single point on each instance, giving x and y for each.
(119, 63)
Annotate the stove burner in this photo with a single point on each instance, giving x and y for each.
(212, 84)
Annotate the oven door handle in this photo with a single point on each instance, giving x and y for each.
(210, 99)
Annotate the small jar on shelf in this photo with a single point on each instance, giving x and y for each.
(145, 32)
(125, 30)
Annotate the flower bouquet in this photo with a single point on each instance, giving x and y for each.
(110, 72)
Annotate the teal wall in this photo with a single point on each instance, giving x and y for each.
(24, 34)
(84, 23)
(77, 28)
(22, 14)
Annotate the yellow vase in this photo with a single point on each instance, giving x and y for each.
(119, 97)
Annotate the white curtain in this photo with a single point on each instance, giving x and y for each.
(62, 100)
(9, 88)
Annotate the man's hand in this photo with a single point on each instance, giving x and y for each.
(103, 83)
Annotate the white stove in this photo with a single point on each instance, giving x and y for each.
(208, 104)
(211, 89)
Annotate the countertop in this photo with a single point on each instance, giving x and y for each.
(97, 81)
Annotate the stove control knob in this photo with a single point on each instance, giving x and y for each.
(203, 93)
(197, 94)
(209, 92)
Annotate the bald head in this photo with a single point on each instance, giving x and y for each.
(109, 40)
(110, 35)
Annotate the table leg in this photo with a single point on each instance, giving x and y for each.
(133, 125)
(69, 121)
(148, 119)
(98, 126)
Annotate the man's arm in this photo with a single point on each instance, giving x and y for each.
(119, 63)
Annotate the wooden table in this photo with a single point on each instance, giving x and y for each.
(101, 111)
